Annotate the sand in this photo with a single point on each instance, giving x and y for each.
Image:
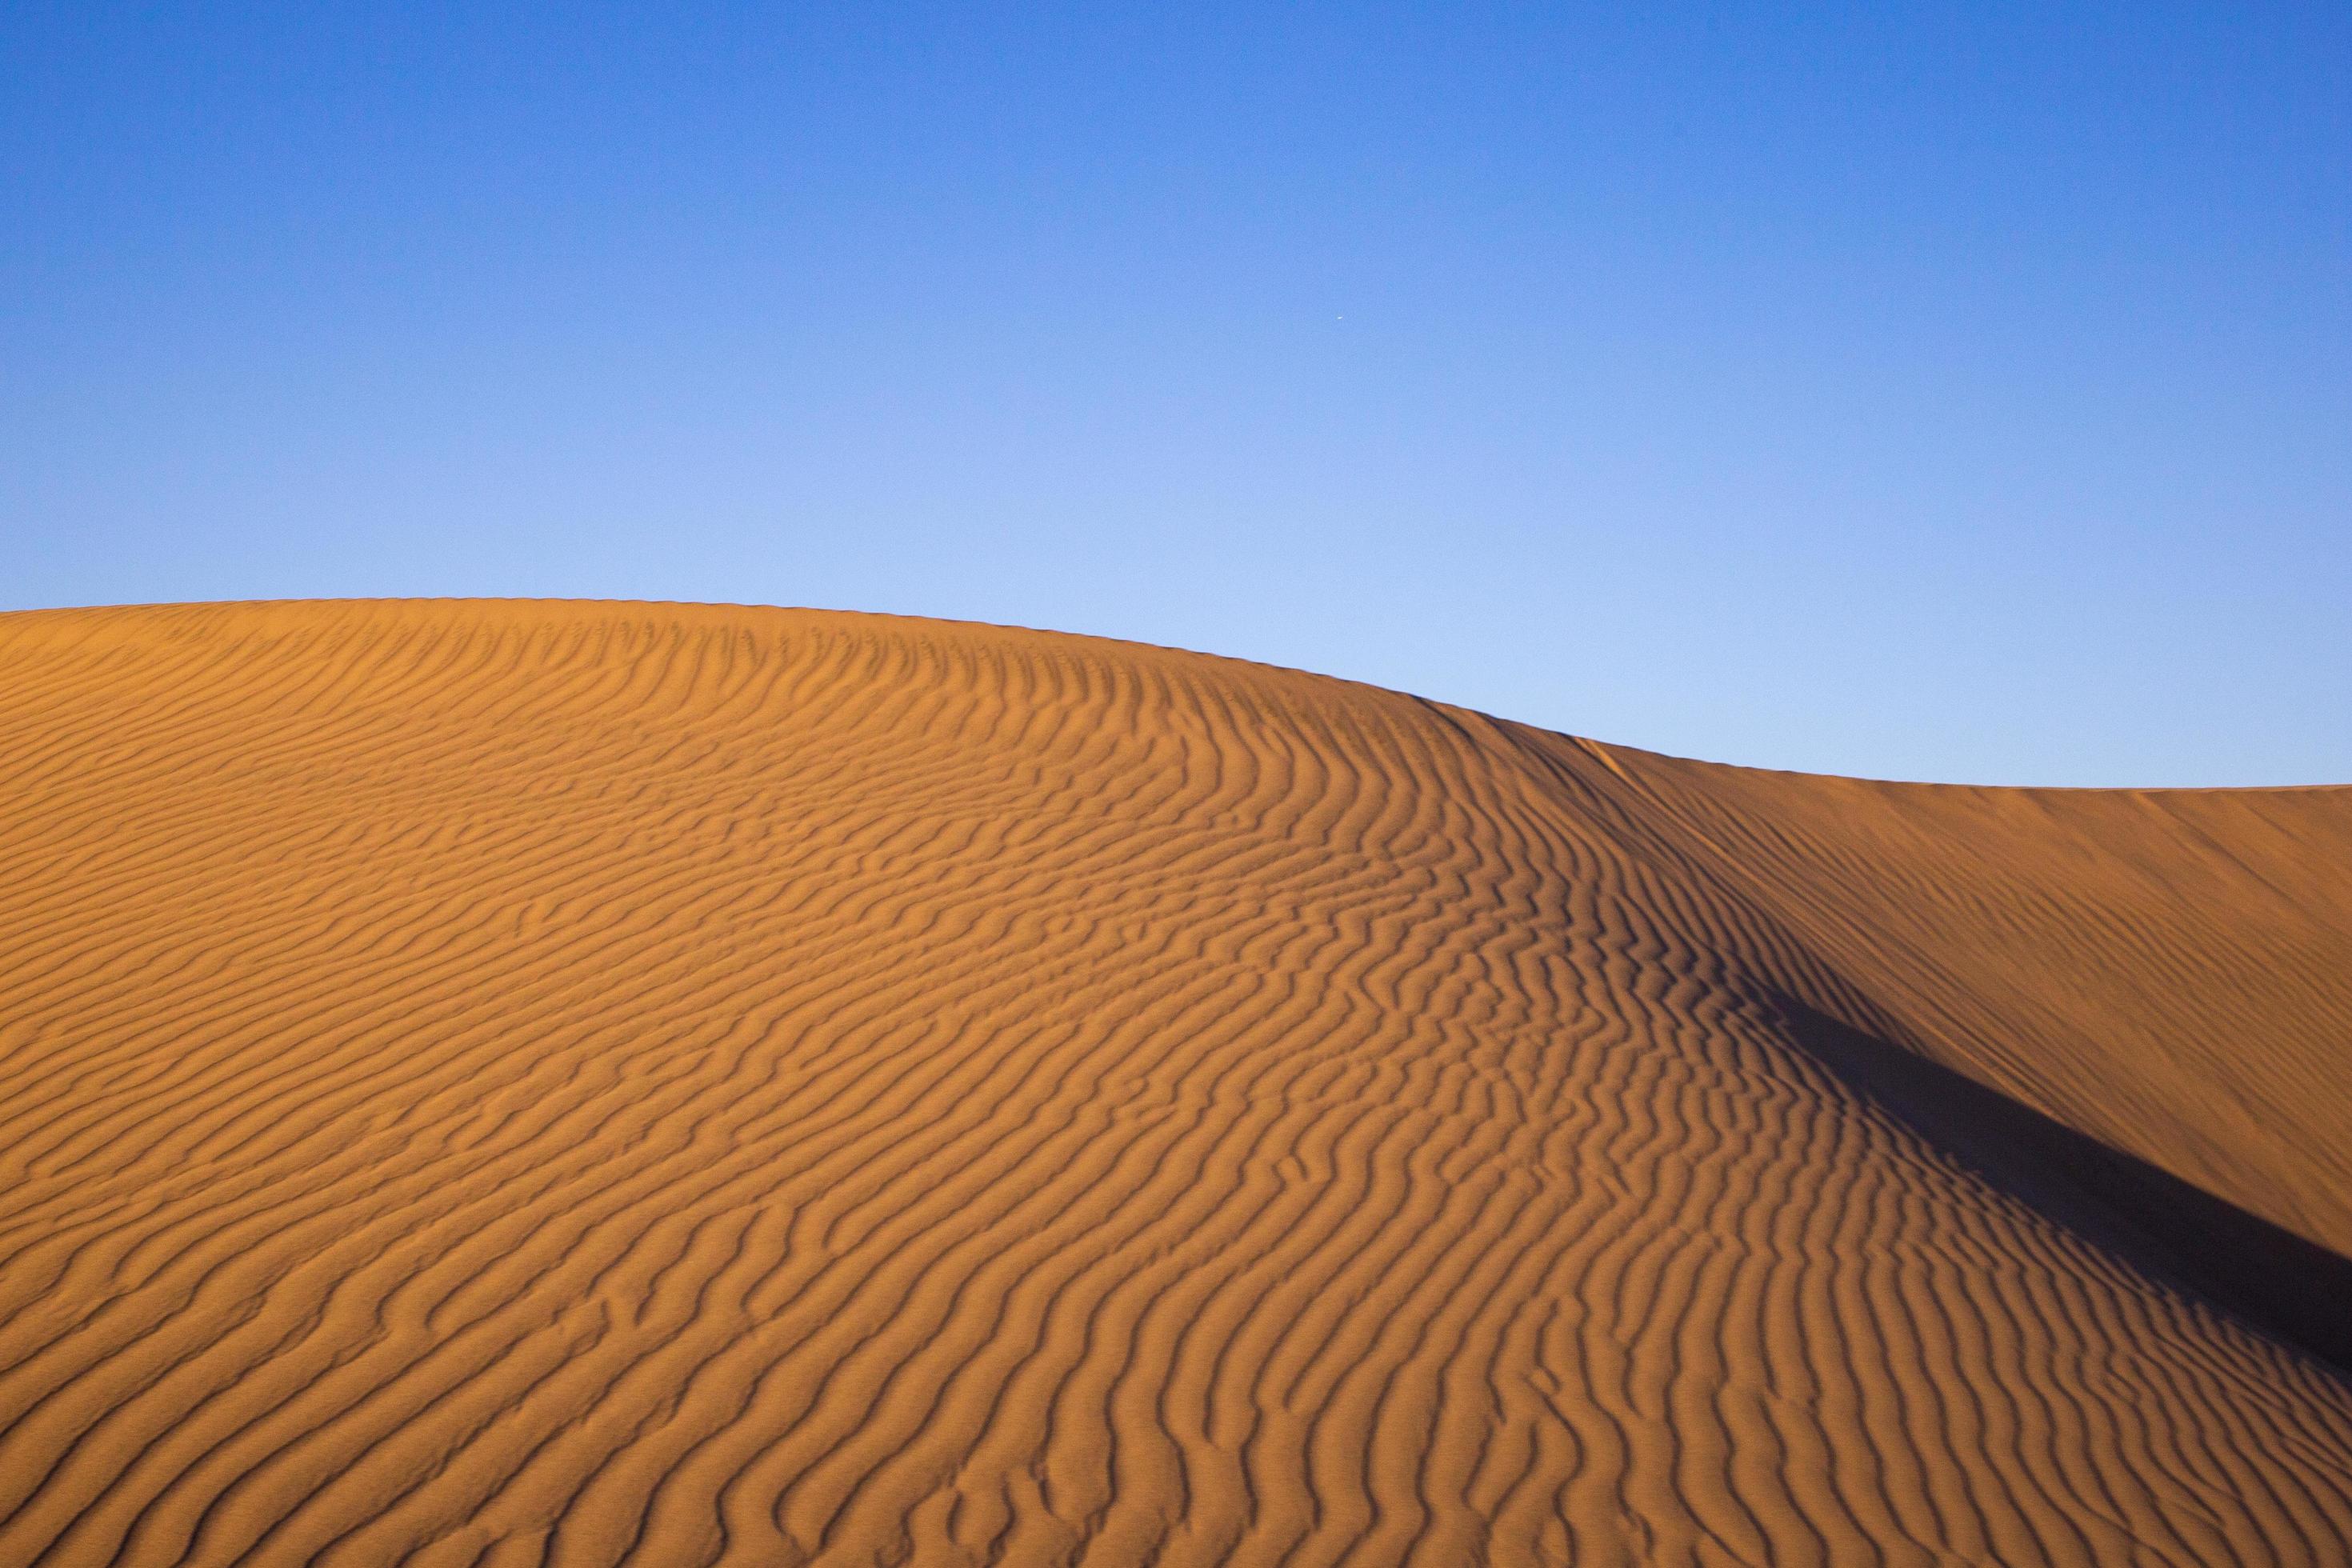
(507, 1083)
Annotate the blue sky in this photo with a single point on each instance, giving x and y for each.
(1953, 392)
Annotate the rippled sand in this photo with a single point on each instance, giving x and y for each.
(512, 1083)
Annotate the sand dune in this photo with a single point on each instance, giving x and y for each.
(501, 1083)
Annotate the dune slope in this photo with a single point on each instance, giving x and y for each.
(500, 1083)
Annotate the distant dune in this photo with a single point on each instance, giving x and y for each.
(497, 1083)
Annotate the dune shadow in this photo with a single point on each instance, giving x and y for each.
(2266, 1276)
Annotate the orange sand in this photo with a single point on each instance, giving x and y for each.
(505, 1083)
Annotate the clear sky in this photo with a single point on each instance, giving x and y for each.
(1954, 392)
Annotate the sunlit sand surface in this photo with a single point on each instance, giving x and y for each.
(491, 1083)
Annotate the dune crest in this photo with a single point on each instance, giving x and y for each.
(498, 1083)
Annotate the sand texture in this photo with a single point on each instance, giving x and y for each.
(492, 1083)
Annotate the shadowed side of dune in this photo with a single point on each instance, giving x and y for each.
(2168, 972)
(2266, 1276)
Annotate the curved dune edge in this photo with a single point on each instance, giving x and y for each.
(501, 1083)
